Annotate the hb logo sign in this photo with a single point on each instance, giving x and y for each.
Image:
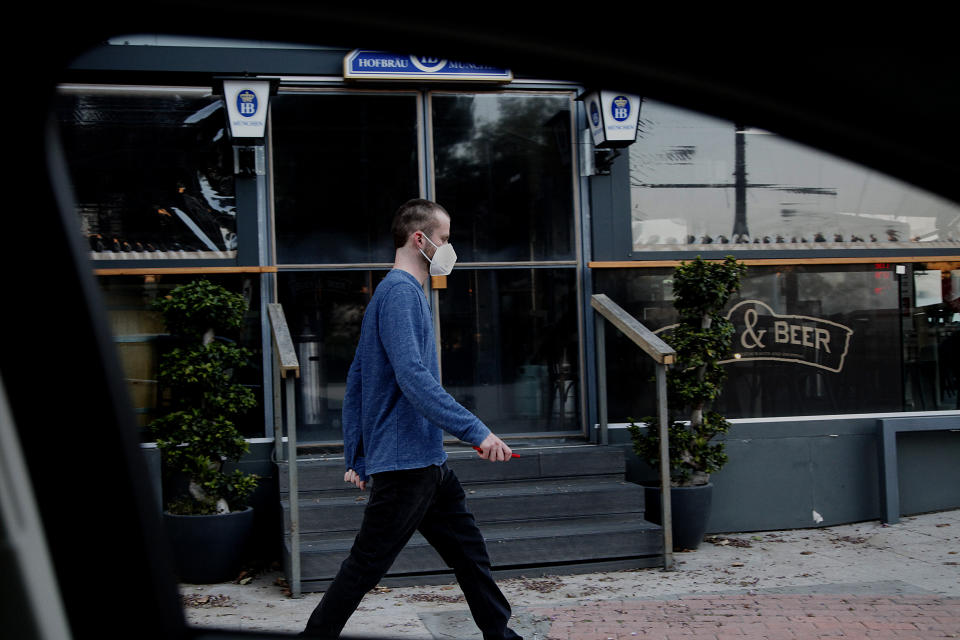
(247, 103)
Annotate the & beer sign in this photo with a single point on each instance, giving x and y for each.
(762, 334)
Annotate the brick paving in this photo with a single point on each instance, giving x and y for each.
(757, 617)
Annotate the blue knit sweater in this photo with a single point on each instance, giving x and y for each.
(394, 407)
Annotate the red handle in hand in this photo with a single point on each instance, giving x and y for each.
(512, 455)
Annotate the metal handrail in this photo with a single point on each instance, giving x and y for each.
(663, 355)
(288, 364)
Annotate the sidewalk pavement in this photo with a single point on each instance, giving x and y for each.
(865, 580)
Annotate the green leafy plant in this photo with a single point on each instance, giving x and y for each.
(701, 338)
(196, 435)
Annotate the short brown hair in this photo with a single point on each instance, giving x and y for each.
(415, 215)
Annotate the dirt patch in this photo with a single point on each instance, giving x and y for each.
(206, 601)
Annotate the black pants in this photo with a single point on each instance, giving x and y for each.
(429, 500)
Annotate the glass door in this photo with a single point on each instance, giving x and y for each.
(341, 164)
(509, 320)
(501, 164)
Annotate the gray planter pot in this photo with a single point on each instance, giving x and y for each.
(690, 510)
(208, 549)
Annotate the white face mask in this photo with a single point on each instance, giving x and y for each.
(443, 258)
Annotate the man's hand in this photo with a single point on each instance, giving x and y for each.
(494, 449)
(354, 478)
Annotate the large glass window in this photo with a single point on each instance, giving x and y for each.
(698, 182)
(152, 172)
(138, 333)
(503, 170)
(342, 163)
(931, 336)
(323, 311)
(510, 351)
(502, 166)
(809, 340)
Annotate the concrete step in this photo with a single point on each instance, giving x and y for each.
(325, 473)
(490, 502)
(621, 540)
(558, 504)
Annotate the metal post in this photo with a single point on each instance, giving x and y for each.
(293, 493)
(601, 358)
(666, 507)
(664, 355)
(289, 369)
(277, 419)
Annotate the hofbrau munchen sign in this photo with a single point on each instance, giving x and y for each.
(365, 64)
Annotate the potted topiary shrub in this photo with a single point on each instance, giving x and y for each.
(206, 511)
(701, 339)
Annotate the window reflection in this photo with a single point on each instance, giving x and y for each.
(503, 169)
(323, 311)
(152, 173)
(509, 347)
(342, 165)
(809, 340)
(931, 337)
(698, 182)
(138, 333)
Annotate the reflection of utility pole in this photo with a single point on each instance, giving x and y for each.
(740, 231)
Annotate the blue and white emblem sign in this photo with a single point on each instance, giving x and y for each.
(612, 117)
(364, 64)
(594, 114)
(246, 102)
(620, 108)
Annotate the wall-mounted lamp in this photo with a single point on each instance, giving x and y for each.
(247, 101)
(612, 118)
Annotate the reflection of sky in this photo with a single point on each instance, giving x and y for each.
(682, 176)
(486, 109)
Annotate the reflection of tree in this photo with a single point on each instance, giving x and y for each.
(844, 293)
(500, 165)
(341, 153)
(149, 173)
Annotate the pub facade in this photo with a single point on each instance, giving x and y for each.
(849, 314)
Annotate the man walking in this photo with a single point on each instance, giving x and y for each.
(393, 413)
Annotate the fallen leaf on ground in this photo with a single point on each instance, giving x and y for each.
(196, 601)
(545, 585)
(433, 597)
(850, 539)
(733, 542)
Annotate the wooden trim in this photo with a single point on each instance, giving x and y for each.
(650, 342)
(286, 352)
(639, 264)
(149, 271)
